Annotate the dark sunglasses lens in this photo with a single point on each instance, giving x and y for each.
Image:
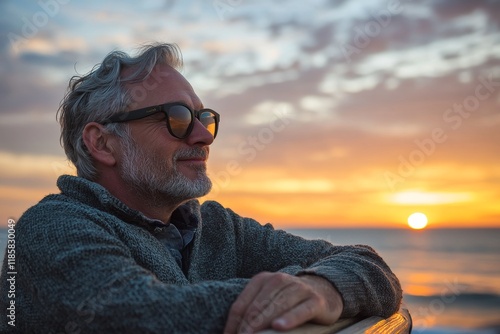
(207, 118)
(179, 118)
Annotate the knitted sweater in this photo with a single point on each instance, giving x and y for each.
(86, 263)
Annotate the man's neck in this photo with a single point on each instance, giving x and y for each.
(154, 206)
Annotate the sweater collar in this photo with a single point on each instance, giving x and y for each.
(93, 194)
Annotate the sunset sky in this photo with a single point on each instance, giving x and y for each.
(334, 113)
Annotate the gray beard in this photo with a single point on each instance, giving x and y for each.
(160, 182)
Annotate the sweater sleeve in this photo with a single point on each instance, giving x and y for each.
(78, 276)
(366, 283)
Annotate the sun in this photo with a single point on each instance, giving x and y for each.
(417, 221)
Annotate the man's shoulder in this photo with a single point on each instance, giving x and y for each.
(56, 203)
(56, 212)
(216, 214)
(48, 206)
(215, 211)
(53, 202)
(210, 205)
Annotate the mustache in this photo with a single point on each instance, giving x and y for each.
(191, 152)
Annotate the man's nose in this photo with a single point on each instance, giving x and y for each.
(200, 135)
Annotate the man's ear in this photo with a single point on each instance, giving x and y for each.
(100, 144)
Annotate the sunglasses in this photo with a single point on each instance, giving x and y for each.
(179, 117)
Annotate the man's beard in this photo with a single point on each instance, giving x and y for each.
(150, 175)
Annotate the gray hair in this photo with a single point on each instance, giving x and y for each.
(97, 95)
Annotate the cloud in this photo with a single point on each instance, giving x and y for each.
(447, 9)
(362, 83)
(32, 170)
(64, 58)
(30, 136)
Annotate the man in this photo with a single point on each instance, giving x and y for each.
(126, 248)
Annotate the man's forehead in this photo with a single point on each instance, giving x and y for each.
(164, 84)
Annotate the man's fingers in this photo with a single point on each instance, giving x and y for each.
(232, 324)
(274, 299)
(300, 314)
(240, 307)
(235, 316)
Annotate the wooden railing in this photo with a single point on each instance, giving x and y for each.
(398, 323)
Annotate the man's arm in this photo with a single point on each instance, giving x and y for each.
(364, 281)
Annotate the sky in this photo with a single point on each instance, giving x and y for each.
(334, 113)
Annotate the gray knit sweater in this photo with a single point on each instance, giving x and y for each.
(86, 263)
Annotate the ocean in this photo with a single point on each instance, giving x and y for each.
(450, 277)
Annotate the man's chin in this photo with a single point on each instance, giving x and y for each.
(195, 186)
(205, 189)
(193, 172)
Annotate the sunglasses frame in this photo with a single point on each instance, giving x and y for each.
(164, 108)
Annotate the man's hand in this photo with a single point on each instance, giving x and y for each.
(283, 302)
